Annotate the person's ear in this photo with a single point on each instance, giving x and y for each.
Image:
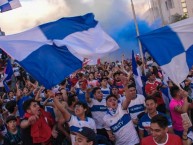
(166, 130)
(28, 111)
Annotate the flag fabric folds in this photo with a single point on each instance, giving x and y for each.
(6, 5)
(52, 51)
(136, 74)
(7, 75)
(172, 48)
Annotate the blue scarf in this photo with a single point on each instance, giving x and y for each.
(111, 111)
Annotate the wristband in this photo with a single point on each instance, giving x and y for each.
(185, 138)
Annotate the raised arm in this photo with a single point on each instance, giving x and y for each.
(128, 97)
(37, 97)
(185, 106)
(18, 92)
(87, 95)
(62, 109)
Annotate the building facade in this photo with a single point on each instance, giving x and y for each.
(168, 10)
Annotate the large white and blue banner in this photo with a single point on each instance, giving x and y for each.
(172, 48)
(52, 51)
(7, 5)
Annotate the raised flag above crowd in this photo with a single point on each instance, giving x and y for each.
(136, 74)
(7, 75)
(7, 5)
(52, 51)
(172, 48)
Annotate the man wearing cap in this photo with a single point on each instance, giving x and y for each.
(85, 136)
(13, 135)
(152, 88)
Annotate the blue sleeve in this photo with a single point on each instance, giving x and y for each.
(140, 126)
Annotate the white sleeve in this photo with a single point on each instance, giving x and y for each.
(105, 124)
(190, 136)
(72, 120)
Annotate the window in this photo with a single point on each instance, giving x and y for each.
(185, 10)
(166, 5)
(170, 4)
(184, 5)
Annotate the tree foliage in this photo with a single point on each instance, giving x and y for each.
(177, 17)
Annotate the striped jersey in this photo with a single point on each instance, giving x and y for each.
(105, 91)
(145, 121)
(122, 127)
(98, 110)
(137, 106)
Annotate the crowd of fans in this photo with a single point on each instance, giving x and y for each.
(99, 104)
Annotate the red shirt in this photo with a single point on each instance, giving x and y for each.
(150, 87)
(172, 140)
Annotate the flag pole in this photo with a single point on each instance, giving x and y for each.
(137, 31)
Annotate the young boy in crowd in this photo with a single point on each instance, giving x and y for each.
(13, 135)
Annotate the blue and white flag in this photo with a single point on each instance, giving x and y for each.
(7, 75)
(52, 51)
(6, 5)
(172, 48)
(137, 75)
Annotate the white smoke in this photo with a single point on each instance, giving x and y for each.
(34, 12)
